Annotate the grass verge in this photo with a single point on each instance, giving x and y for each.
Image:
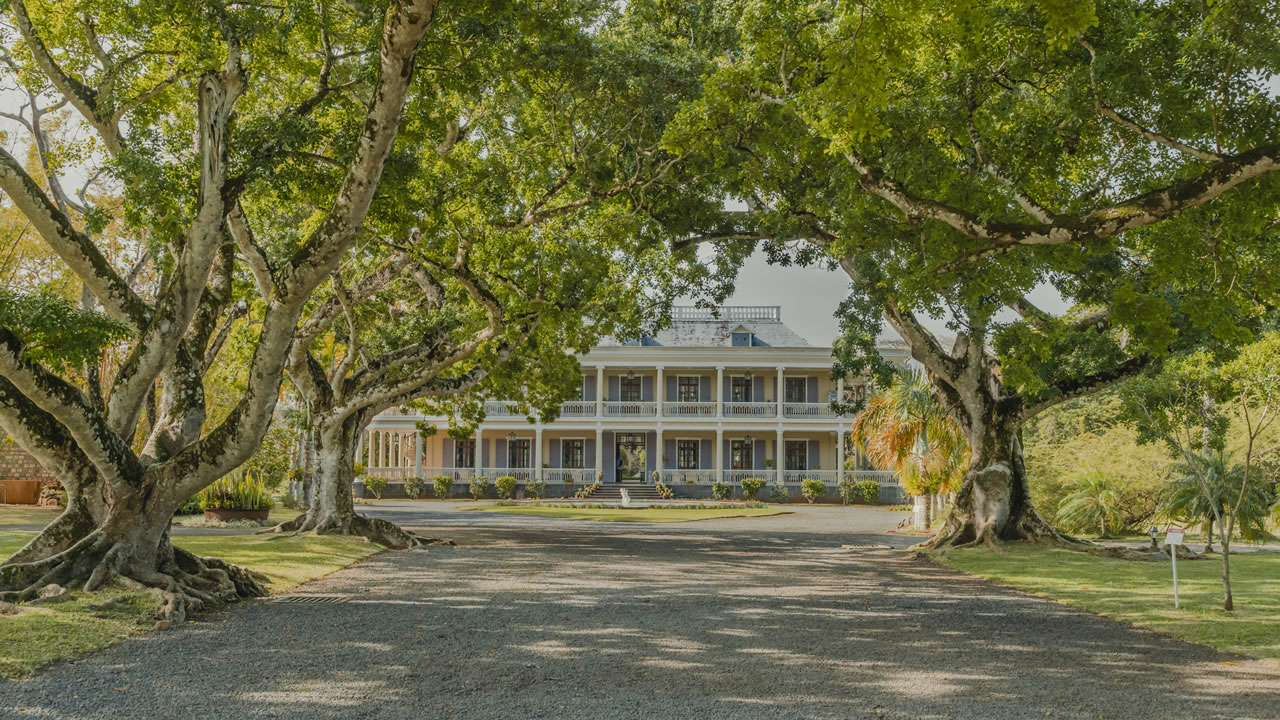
(1141, 593)
(654, 515)
(40, 635)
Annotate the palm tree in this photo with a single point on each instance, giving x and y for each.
(1090, 502)
(1184, 497)
(905, 429)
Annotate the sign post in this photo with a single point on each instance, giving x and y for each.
(1173, 538)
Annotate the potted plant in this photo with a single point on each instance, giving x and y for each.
(237, 496)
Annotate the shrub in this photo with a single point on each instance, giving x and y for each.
(852, 491)
(779, 493)
(375, 485)
(358, 469)
(479, 488)
(587, 491)
(533, 489)
(442, 484)
(721, 490)
(663, 491)
(506, 487)
(751, 487)
(190, 507)
(240, 490)
(413, 487)
(812, 489)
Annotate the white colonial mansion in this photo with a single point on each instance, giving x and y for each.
(718, 395)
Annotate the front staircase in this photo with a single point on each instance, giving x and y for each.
(639, 492)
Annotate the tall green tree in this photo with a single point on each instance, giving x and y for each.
(523, 237)
(1189, 407)
(951, 158)
(246, 141)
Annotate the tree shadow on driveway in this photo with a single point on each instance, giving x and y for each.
(654, 622)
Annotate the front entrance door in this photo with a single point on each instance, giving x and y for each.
(631, 457)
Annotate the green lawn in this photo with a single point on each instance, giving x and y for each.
(26, 515)
(654, 515)
(1141, 593)
(59, 632)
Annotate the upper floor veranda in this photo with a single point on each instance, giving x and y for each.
(743, 366)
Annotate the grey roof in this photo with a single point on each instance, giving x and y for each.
(699, 327)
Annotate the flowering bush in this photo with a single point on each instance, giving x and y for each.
(812, 489)
(664, 492)
(506, 487)
(442, 484)
(413, 487)
(375, 485)
(851, 491)
(751, 487)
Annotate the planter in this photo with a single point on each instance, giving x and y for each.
(224, 515)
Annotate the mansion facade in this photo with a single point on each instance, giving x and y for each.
(717, 396)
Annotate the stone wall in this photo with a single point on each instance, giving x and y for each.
(17, 464)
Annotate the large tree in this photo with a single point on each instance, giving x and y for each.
(193, 109)
(486, 279)
(953, 158)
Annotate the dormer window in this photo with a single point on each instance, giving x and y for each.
(741, 338)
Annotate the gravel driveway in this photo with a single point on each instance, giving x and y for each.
(765, 618)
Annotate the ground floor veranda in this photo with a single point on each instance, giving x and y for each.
(689, 460)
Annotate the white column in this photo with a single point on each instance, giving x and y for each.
(840, 455)
(600, 390)
(658, 460)
(719, 455)
(417, 453)
(537, 454)
(840, 390)
(781, 392)
(599, 453)
(779, 455)
(359, 447)
(479, 458)
(659, 392)
(718, 393)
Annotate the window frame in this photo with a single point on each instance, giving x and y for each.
(681, 385)
(741, 381)
(459, 459)
(804, 445)
(740, 451)
(581, 453)
(803, 384)
(682, 445)
(625, 384)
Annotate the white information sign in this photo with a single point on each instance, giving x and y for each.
(1173, 538)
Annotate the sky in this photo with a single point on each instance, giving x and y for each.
(809, 297)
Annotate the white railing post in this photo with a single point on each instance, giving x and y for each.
(599, 453)
(840, 456)
(600, 390)
(718, 391)
(719, 454)
(780, 390)
(779, 453)
(537, 454)
(659, 391)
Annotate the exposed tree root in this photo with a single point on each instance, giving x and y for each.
(185, 582)
(376, 530)
(71, 526)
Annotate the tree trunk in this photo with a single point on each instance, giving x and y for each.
(1208, 535)
(1227, 602)
(332, 510)
(123, 541)
(921, 512)
(993, 504)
